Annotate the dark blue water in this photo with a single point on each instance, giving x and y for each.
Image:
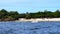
(29, 28)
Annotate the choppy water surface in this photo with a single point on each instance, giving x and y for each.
(29, 28)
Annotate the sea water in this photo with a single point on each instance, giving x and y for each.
(29, 28)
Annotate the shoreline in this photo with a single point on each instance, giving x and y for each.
(37, 19)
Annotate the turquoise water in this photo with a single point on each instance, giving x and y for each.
(29, 28)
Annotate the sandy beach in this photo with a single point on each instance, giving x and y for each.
(38, 19)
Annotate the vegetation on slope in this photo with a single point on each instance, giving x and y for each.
(14, 15)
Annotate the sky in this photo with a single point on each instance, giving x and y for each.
(23, 6)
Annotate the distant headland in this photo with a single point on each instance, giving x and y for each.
(14, 15)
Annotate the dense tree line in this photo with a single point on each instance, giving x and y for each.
(43, 14)
(8, 16)
(14, 15)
